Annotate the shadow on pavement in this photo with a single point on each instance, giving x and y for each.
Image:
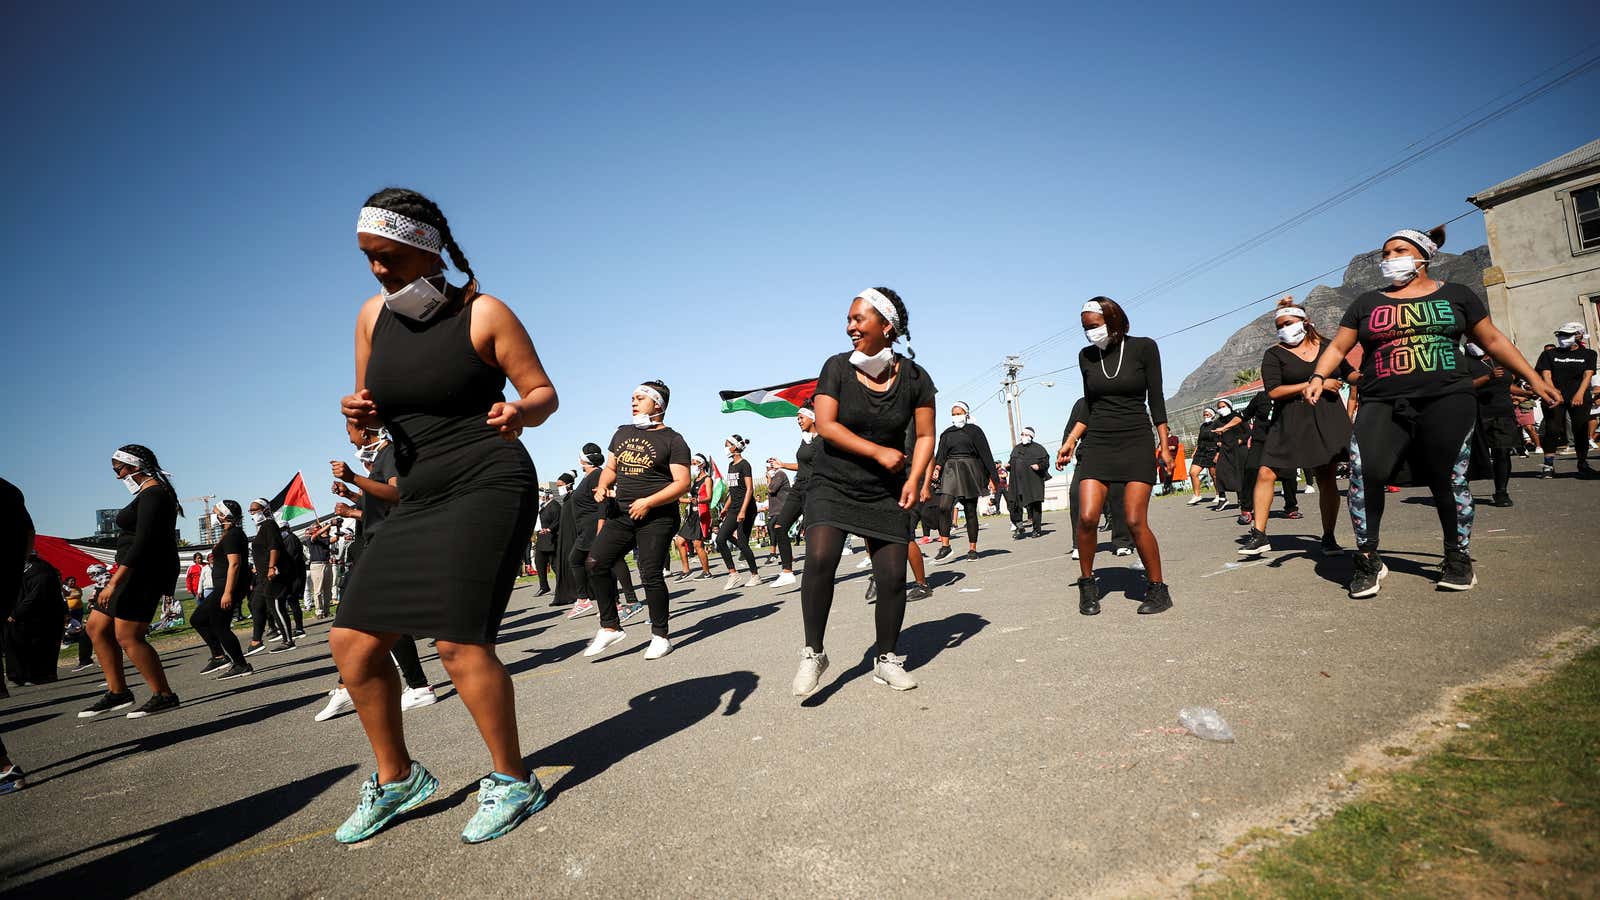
(920, 644)
(1123, 580)
(547, 656)
(163, 851)
(74, 698)
(709, 626)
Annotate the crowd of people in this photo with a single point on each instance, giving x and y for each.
(447, 509)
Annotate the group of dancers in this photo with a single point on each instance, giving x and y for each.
(450, 501)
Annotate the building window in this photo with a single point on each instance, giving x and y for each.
(1586, 204)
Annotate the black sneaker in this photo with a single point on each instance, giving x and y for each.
(1329, 546)
(237, 671)
(299, 632)
(108, 702)
(1370, 570)
(1588, 472)
(943, 552)
(1157, 599)
(1502, 500)
(918, 592)
(1088, 597)
(872, 588)
(1018, 534)
(541, 592)
(220, 662)
(284, 647)
(158, 703)
(1244, 518)
(1256, 543)
(972, 556)
(253, 649)
(1458, 574)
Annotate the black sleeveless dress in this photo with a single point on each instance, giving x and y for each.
(449, 553)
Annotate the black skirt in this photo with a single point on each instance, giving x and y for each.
(137, 602)
(962, 477)
(1303, 437)
(1120, 458)
(1500, 432)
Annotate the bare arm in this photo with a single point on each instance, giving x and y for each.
(921, 456)
(506, 346)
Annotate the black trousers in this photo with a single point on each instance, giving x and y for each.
(947, 516)
(544, 560)
(270, 601)
(212, 622)
(1035, 511)
(778, 527)
(579, 573)
(1553, 432)
(1435, 435)
(736, 531)
(651, 540)
(405, 655)
(296, 596)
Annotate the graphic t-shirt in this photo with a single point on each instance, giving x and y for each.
(644, 460)
(1566, 368)
(1412, 347)
(738, 480)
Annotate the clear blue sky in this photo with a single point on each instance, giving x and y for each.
(687, 192)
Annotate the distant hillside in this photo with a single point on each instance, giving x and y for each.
(1325, 305)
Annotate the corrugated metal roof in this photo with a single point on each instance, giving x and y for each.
(1587, 155)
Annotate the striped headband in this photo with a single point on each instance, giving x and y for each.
(1416, 239)
(396, 227)
(1028, 431)
(653, 394)
(883, 306)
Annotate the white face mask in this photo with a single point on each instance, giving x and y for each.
(1474, 349)
(1565, 341)
(1399, 269)
(258, 517)
(873, 365)
(368, 454)
(1026, 438)
(958, 421)
(641, 420)
(561, 491)
(1293, 333)
(807, 437)
(131, 482)
(418, 300)
(1100, 336)
(1224, 411)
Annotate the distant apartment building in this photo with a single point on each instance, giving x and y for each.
(1544, 241)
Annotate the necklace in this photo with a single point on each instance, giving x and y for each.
(1122, 350)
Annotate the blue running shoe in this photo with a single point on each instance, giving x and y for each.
(380, 803)
(503, 804)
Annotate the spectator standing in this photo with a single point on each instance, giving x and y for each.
(319, 566)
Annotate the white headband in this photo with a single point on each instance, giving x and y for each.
(1289, 312)
(1028, 432)
(964, 407)
(396, 227)
(883, 306)
(808, 413)
(1417, 238)
(128, 459)
(653, 394)
(1093, 306)
(263, 503)
(737, 444)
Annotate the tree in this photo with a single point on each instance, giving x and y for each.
(1245, 376)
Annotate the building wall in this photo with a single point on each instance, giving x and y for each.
(1538, 282)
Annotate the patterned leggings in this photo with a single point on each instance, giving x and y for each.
(1433, 434)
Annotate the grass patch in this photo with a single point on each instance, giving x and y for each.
(1511, 807)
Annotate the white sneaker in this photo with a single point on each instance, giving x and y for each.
(784, 579)
(1122, 551)
(733, 582)
(339, 703)
(812, 665)
(411, 698)
(1074, 552)
(1196, 500)
(890, 669)
(659, 647)
(865, 563)
(754, 580)
(1310, 489)
(602, 640)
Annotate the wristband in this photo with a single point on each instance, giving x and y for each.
(1319, 375)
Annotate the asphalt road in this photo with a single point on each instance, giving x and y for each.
(1037, 758)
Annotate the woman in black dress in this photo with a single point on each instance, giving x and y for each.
(1303, 436)
(965, 469)
(1030, 469)
(647, 472)
(1122, 391)
(147, 569)
(782, 516)
(432, 361)
(863, 482)
(1205, 455)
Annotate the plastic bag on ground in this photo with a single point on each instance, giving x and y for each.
(1205, 723)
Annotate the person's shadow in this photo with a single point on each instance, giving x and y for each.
(707, 627)
(920, 644)
(149, 857)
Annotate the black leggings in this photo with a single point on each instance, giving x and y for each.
(947, 516)
(1035, 512)
(405, 656)
(1435, 435)
(578, 571)
(212, 621)
(543, 561)
(824, 546)
(651, 539)
(778, 527)
(736, 531)
(1500, 460)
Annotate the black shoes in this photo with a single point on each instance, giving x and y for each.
(1329, 546)
(237, 671)
(541, 592)
(1157, 599)
(1088, 597)
(284, 647)
(158, 703)
(972, 556)
(1255, 544)
(1457, 574)
(918, 592)
(943, 552)
(108, 702)
(1370, 571)
(1243, 519)
(1502, 500)
(220, 662)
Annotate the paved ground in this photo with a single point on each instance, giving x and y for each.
(1036, 759)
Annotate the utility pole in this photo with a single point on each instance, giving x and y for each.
(1008, 388)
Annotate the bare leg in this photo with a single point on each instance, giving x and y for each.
(1136, 506)
(705, 560)
(103, 634)
(1266, 480)
(367, 672)
(683, 552)
(130, 636)
(1091, 500)
(486, 689)
(1194, 480)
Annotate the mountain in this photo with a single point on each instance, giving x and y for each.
(1325, 305)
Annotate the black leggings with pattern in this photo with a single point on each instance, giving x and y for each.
(1435, 435)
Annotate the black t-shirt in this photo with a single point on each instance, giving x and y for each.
(804, 459)
(585, 511)
(1566, 368)
(1280, 366)
(146, 534)
(373, 511)
(1412, 347)
(777, 487)
(295, 550)
(886, 418)
(738, 481)
(318, 549)
(268, 537)
(1120, 382)
(1494, 398)
(644, 460)
(232, 541)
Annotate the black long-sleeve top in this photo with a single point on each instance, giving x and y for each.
(40, 602)
(968, 440)
(1120, 383)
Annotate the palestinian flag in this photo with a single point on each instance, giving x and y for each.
(293, 502)
(776, 402)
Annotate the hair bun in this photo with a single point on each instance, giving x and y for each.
(1436, 234)
(1287, 301)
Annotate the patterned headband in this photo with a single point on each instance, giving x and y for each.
(396, 227)
(128, 459)
(882, 305)
(653, 394)
(1289, 312)
(1416, 239)
(1093, 306)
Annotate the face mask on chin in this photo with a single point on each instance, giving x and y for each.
(1026, 439)
(418, 300)
(1100, 336)
(807, 437)
(1399, 270)
(874, 365)
(131, 482)
(643, 420)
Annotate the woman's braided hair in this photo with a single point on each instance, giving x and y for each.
(149, 465)
(410, 203)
